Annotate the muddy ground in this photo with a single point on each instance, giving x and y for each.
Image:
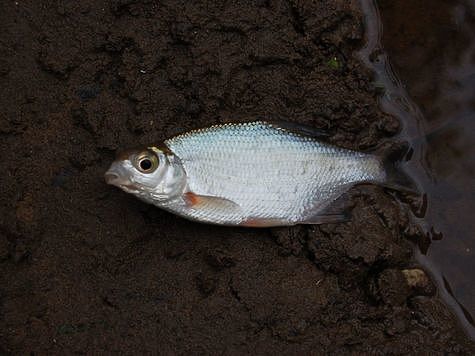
(86, 268)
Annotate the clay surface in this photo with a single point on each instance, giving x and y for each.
(86, 268)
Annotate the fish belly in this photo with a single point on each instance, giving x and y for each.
(270, 173)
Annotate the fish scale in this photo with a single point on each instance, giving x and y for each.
(269, 172)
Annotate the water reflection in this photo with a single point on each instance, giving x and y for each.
(431, 46)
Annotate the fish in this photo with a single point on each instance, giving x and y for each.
(253, 174)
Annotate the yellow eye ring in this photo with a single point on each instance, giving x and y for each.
(146, 162)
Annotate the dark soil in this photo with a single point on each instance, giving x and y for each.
(86, 268)
(432, 47)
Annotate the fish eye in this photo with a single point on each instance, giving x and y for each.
(146, 163)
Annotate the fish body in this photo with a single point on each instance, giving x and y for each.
(248, 174)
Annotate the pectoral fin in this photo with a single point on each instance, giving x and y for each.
(197, 201)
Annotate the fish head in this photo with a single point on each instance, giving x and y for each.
(150, 174)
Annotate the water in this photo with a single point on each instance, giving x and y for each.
(430, 44)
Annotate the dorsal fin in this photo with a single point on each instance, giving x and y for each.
(300, 129)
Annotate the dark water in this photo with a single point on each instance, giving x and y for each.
(428, 70)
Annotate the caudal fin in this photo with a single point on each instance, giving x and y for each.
(397, 178)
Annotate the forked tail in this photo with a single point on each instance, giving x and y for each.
(397, 177)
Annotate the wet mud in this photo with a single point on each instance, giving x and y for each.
(431, 46)
(87, 268)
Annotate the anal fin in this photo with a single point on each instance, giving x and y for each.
(336, 212)
(259, 222)
(327, 219)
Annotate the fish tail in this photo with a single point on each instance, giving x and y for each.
(396, 177)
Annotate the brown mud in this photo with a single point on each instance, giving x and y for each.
(86, 268)
(431, 45)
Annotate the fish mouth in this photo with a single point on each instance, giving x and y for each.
(115, 179)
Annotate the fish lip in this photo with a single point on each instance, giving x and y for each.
(111, 177)
(129, 188)
(115, 179)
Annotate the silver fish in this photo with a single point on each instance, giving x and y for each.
(255, 174)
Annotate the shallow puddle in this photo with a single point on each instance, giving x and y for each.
(427, 70)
